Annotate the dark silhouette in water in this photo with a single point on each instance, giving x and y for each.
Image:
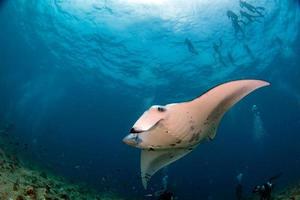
(230, 58)
(161, 195)
(249, 51)
(217, 50)
(249, 17)
(190, 46)
(239, 187)
(235, 22)
(265, 190)
(166, 195)
(231, 15)
(251, 8)
(239, 191)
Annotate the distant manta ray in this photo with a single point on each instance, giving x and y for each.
(166, 133)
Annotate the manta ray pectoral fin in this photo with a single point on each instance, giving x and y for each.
(154, 160)
(220, 99)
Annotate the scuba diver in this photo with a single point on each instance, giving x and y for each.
(166, 195)
(235, 22)
(239, 187)
(251, 8)
(249, 51)
(265, 190)
(217, 51)
(231, 15)
(161, 195)
(249, 17)
(190, 46)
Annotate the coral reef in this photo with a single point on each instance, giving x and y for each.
(291, 192)
(19, 183)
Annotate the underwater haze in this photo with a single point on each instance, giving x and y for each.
(75, 75)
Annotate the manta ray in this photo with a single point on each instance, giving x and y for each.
(167, 133)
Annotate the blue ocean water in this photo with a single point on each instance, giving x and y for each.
(75, 76)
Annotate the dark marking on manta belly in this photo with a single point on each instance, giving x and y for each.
(171, 156)
(192, 138)
(179, 141)
(151, 149)
(192, 128)
(197, 136)
(172, 145)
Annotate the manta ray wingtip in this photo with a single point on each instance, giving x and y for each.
(263, 82)
(259, 83)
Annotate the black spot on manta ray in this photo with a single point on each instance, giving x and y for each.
(179, 141)
(151, 149)
(172, 145)
(161, 109)
(197, 136)
(192, 138)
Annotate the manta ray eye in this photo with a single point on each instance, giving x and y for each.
(161, 109)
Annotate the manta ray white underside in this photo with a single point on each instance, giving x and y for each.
(166, 133)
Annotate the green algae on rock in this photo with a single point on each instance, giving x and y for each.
(19, 183)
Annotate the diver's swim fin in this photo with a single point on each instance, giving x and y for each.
(275, 177)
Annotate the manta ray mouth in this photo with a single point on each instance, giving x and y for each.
(135, 131)
(132, 139)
